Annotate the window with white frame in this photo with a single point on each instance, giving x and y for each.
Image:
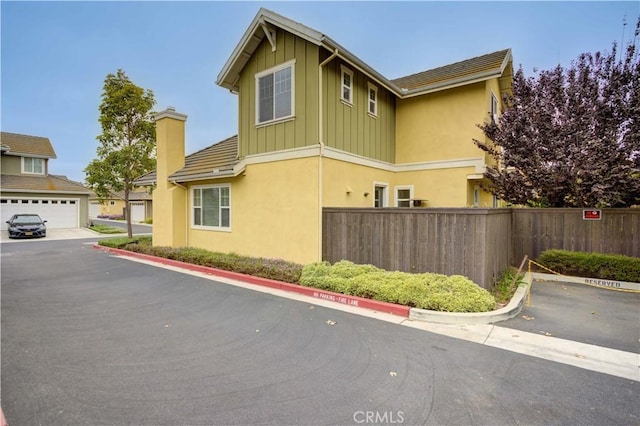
(211, 206)
(33, 165)
(347, 85)
(373, 100)
(380, 196)
(403, 196)
(494, 108)
(275, 93)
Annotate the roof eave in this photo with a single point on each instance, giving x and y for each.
(251, 39)
(450, 84)
(28, 154)
(45, 191)
(360, 65)
(237, 170)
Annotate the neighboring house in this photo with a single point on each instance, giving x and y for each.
(140, 201)
(318, 127)
(27, 187)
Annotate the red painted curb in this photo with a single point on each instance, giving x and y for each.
(360, 302)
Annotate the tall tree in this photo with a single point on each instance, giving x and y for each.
(127, 142)
(570, 137)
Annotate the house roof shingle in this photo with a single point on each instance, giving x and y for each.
(211, 162)
(477, 66)
(16, 144)
(51, 183)
(471, 70)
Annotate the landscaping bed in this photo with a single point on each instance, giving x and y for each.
(426, 291)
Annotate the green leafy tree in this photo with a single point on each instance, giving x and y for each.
(570, 137)
(127, 142)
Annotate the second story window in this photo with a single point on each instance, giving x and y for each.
(33, 165)
(275, 93)
(373, 100)
(494, 109)
(347, 85)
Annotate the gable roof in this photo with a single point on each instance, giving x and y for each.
(50, 183)
(26, 145)
(464, 72)
(215, 161)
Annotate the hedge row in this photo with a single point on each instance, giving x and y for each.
(275, 269)
(426, 291)
(592, 265)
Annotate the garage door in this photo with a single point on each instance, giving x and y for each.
(137, 211)
(94, 209)
(58, 212)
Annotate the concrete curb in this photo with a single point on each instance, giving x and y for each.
(511, 310)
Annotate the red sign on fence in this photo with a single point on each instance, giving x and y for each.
(591, 214)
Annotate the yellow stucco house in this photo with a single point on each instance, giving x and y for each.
(317, 127)
(140, 201)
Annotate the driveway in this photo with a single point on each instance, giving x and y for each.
(90, 338)
(56, 234)
(581, 313)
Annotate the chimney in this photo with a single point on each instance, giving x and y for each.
(169, 200)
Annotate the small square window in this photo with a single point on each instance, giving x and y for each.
(403, 196)
(45, 201)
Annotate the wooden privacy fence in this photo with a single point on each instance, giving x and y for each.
(470, 242)
(477, 243)
(536, 230)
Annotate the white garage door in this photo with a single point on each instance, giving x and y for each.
(137, 211)
(94, 209)
(58, 212)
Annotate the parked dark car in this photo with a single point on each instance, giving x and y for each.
(26, 225)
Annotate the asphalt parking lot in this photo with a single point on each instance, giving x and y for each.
(91, 338)
(581, 313)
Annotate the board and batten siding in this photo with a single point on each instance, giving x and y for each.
(350, 128)
(300, 131)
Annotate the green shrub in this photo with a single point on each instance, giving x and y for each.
(506, 285)
(427, 291)
(592, 265)
(275, 269)
(122, 242)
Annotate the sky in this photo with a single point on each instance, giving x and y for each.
(55, 55)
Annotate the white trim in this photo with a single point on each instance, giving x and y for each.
(401, 188)
(371, 87)
(26, 154)
(493, 114)
(344, 70)
(42, 191)
(25, 172)
(192, 188)
(170, 112)
(289, 64)
(336, 154)
(385, 193)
